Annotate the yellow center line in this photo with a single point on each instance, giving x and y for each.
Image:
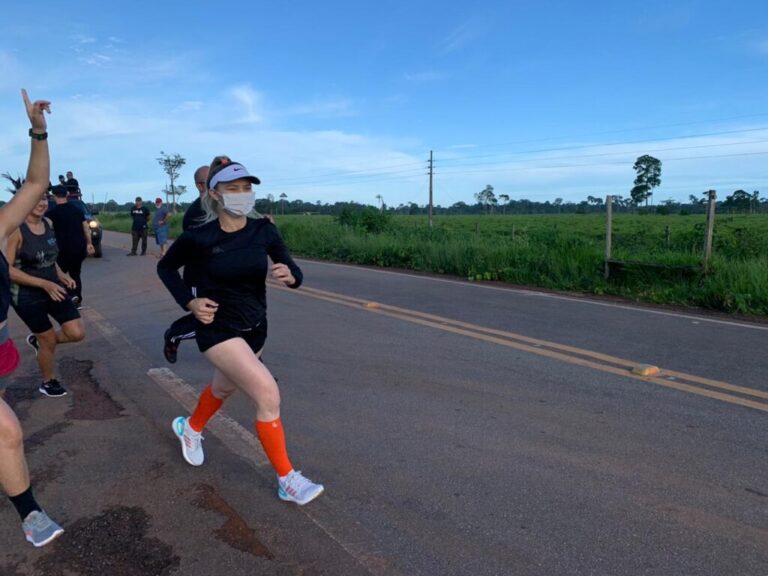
(562, 352)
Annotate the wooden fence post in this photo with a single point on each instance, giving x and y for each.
(608, 233)
(710, 228)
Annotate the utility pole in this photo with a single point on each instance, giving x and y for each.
(608, 235)
(712, 198)
(430, 189)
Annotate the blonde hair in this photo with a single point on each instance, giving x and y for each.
(210, 206)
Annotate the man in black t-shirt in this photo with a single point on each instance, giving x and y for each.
(73, 238)
(140, 215)
(73, 186)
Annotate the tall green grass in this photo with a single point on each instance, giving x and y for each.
(563, 252)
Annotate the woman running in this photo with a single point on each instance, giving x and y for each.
(39, 290)
(230, 307)
(38, 528)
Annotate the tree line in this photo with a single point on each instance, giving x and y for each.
(487, 201)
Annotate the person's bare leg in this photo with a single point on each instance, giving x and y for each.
(235, 360)
(14, 473)
(72, 331)
(46, 353)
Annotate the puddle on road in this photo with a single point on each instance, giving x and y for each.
(235, 532)
(113, 543)
(39, 438)
(91, 401)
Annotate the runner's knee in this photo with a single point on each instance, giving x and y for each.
(11, 435)
(74, 331)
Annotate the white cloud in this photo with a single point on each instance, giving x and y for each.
(96, 60)
(250, 103)
(83, 39)
(460, 36)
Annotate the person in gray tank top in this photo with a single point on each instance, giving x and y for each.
(39, 293)
(38, 528)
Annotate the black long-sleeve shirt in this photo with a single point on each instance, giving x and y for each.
(193, 215)
(233, 269)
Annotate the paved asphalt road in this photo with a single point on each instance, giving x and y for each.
(458, 429)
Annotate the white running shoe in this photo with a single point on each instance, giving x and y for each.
(191, 441)
(294, 487)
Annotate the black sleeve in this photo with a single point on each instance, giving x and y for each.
(279, 254)
(146, 214)
(181, 252)
(192, 213)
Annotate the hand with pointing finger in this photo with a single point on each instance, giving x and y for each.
(36, 112)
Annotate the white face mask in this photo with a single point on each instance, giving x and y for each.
(238, 203)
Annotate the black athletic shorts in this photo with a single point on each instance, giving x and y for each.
(35, 313)
(208, 335)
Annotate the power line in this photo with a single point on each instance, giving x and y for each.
(625, 152)
(452, 171)
(621, 130)
(587, 146)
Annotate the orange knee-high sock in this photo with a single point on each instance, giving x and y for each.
(272, 438)
(206, 407)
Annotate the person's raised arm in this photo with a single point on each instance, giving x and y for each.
(38, 172)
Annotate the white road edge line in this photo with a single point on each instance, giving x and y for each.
(244, 444)
(324, 513)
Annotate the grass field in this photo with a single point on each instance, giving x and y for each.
(563, 252)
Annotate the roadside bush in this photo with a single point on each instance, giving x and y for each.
(368, 219)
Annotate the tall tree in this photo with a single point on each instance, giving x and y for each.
(486, 197)
(172, 166)
(648, 177)
(504, 198)
(739, 201)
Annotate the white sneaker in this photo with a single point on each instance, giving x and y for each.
(191, 441)
(294, 487)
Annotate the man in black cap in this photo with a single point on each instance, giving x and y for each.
(73, 186)
(73, 238)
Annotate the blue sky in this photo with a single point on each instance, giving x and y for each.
(344, 100)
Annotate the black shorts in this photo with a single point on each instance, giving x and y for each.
(35, 313)
(208, 335)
